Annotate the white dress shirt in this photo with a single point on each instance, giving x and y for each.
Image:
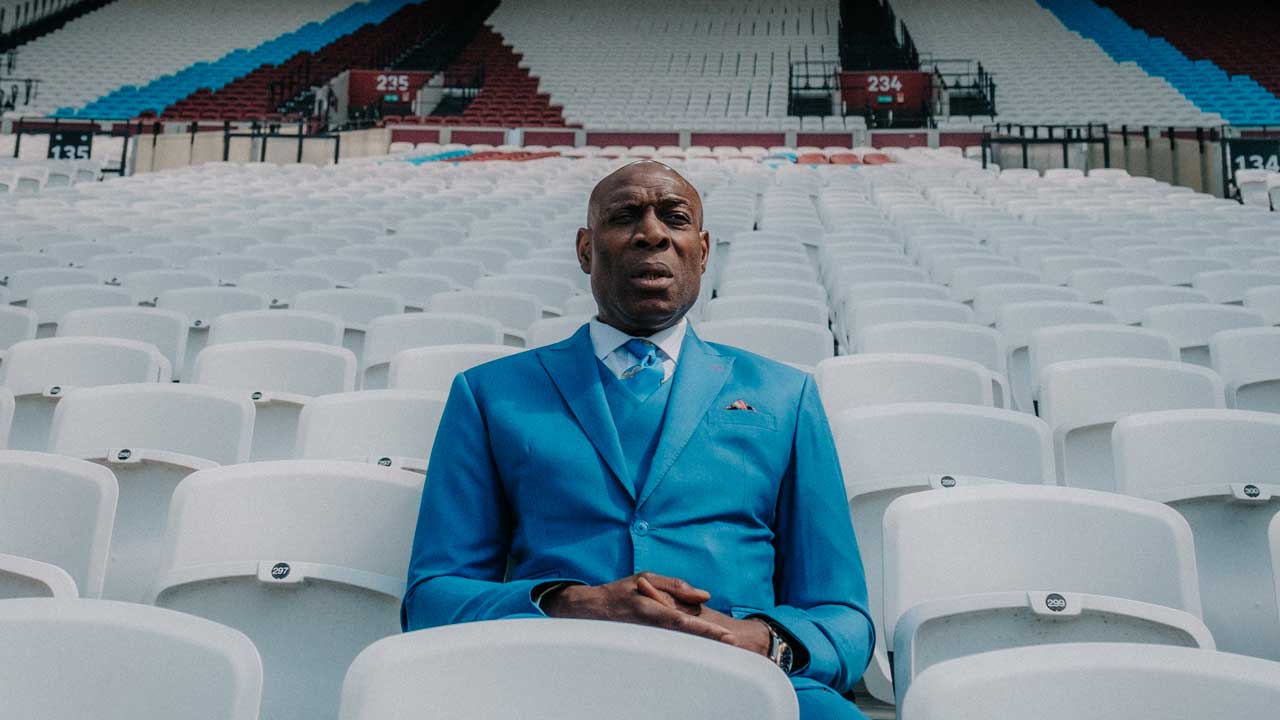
(608, 342)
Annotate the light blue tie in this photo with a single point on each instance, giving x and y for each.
(645, 377)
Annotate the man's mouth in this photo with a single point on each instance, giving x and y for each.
(652, 276)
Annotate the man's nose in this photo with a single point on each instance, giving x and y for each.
(651, 232)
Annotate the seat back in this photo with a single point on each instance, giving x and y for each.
(124, 661)
(40, 372)
(1192, 325)
(789, 341)
(1130, 302)
(1074, 680)
(52, 303)
(515, 311)
(988, 299)
(481, 670)
(389, 427)
(165, 329)
(1249, 362)
(549, 331)
(293, 325)
(341, 549)
(433, 369)
(1082, 399)
(1017, 321)
(1081, 342)
(60, 511)
(893, 450)
(882, 378)
(389, 335)
(151, 436)
(1016, 556)
(1219, 469)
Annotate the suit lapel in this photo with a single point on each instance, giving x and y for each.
(700, 374)
(572, 367)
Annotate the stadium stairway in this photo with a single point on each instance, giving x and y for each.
(259, 93)
(509, 95)
(1239, 99)
(131, 101)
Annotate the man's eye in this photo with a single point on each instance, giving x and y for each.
(678, 219)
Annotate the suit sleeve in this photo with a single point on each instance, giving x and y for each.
(819, 584)
(463, 535)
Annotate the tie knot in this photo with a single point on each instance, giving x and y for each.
(645, 352)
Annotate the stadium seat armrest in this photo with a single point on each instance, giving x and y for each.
(279, 571)
(58, 583)
(1050, 606)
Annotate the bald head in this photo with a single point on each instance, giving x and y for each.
(642, 173)
(644, 247)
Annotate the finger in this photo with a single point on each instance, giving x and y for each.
(651, 613)
(647, 589)
(679, 589)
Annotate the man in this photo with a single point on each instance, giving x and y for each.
(636, 473)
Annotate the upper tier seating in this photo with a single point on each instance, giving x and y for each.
(1239, 99)
(251, 95)
(133, 44)
(1046, 73)
(698, 65)
(1238, 38)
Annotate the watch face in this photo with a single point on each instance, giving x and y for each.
(785, 659)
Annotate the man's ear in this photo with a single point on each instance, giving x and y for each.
(705, 238)
(584, 250)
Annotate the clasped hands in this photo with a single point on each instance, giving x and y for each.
(659, 601)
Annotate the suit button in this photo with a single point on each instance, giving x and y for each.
(640, 527)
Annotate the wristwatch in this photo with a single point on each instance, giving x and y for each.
(780, 652)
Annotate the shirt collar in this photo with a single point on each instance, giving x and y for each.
(606, 339)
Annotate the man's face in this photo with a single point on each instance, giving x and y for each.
(644, 248)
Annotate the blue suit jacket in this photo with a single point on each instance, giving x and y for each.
(527, 483)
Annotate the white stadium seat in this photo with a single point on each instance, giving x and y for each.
(151, 436)
(165, 329)
(204, 305)
(391, 334)
(884, 378)
(296, 325)
(57, 511)
(52, 303)
(1057, 565)
(1218, 468)
(1192, 325)
(432, 369)
(339, 549)
(40, 372)
(481, 670)
(1017, 321)
(1081, 342)
(1082, 400)
(515, 311)
(551, 330)
(893, 450)
(1249, 362)
(280, 377)
(357, 308)
(392, 428)
(803, 344)
(1129, 303)
(962, 341)
(1096, 679)
(124, 661)
(283, 285)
